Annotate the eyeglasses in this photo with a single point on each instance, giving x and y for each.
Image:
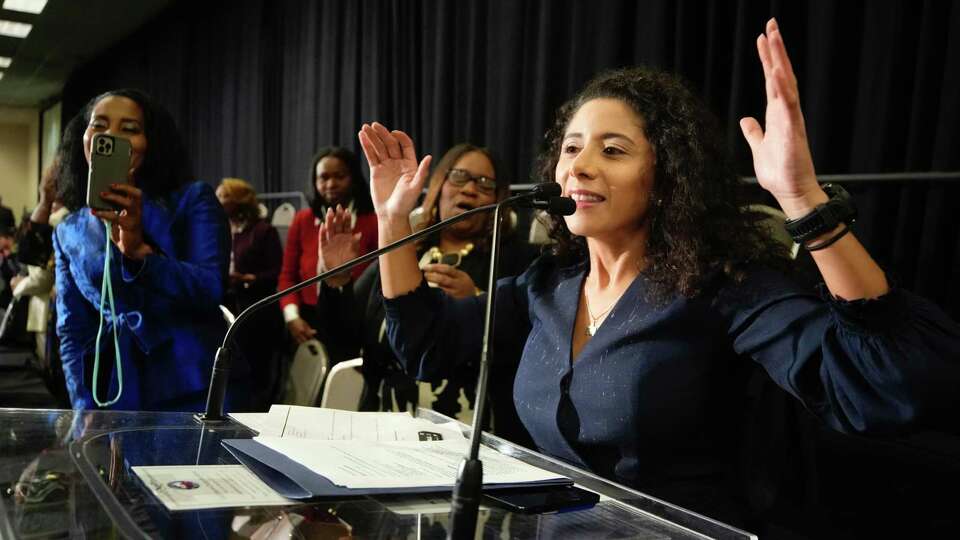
(460, 178)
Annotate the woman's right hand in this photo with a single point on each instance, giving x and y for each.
(300, 330)
(338, 243)
(396, 179)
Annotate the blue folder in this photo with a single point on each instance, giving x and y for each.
(294, 481)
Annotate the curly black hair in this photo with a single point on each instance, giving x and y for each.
(166, 165)
(359, 187)
(699, 223)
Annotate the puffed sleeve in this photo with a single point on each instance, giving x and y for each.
(869, 366)
(76, 326)
(196, 274)
(433, 333)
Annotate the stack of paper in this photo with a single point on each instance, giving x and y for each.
(305, 452)
(291, 421)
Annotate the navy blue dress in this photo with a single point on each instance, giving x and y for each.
(652, 400)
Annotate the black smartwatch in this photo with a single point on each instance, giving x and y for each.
(825, 217)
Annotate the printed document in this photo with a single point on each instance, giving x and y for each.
(291, 421)
(401, 464)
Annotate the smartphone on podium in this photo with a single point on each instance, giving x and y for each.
(109, 164)
(542, 500)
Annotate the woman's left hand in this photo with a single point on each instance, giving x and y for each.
(127, 230)
(781, 155)
(453, 281)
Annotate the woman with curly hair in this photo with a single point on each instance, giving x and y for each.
(151, 348)
(631, 341)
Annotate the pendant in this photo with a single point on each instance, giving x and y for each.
(591, 329)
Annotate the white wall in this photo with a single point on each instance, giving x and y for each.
(19, 157)
(50, 134)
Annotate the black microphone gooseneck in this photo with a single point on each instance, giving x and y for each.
(465, 502)
(221, 363)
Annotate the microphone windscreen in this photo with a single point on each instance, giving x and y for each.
(562, 206)
(547, 189)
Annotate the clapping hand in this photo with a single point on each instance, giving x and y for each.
(338, 243)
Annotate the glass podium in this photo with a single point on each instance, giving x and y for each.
(65, 474)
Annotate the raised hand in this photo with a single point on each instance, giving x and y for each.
(338, 243)
(395, 177)
(127, 230)
(781, 155)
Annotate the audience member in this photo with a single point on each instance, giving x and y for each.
(9, 267)
(35, 253)
(169, 249)
(8, 221)
(630, 338)
(255, 261)
(337, 180)
(256, 255)
(456, 260)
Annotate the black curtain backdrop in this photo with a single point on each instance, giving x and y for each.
(258, 86)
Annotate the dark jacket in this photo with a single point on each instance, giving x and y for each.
(653, 399)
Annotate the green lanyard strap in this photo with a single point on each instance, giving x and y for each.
(106, 291)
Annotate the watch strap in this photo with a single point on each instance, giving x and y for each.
(825, 217)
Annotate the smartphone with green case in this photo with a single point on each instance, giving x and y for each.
(109, 164)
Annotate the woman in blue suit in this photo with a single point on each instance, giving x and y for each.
(169, 253)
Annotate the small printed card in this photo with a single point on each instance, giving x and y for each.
(198, 487)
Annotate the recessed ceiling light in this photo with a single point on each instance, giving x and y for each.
(26, 6)
(5, 61)
(14, 29)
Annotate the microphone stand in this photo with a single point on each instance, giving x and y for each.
(465, 502)
(219, 377)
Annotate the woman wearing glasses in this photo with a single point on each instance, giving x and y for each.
(456, 261)
(337, 182)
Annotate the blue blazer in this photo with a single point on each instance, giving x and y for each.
(167, 313)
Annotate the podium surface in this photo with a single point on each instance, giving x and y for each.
(68, 474)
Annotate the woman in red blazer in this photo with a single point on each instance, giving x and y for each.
(337, 180)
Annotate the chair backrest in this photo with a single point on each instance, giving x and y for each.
(227, 314)
(283, 215)
(307, 374)
(281, 220)
(344, 386)
(539, 233)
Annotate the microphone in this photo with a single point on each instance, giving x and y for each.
(465, 502)
(558, 206)
(219, 377)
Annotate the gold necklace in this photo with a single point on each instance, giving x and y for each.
(593, 326)
(434, 255)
